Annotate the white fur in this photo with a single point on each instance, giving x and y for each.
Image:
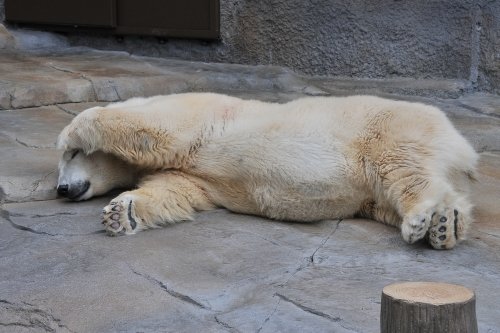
(309, 159)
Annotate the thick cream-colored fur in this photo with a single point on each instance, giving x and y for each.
(314, 158)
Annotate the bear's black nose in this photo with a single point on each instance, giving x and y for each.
(63, 189)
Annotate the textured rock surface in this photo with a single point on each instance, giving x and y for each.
(221, 272)
(364, 39)
(90, 76)
(489, 58)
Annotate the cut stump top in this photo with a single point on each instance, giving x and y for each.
(435, 293)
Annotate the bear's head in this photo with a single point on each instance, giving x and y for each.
(83, 176)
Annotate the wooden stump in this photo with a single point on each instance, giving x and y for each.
(429, 307)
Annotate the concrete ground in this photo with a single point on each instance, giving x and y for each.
(222, 272)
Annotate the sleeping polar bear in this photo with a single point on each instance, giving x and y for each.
(315, 158)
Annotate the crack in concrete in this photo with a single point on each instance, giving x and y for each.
(80, 75)
(478, 111)
(225, 325)
(2, 196)
(116, 90)
(31, 317)
(51, 215)
(308, 309)
(184, 298)
(64, 70)
(270, 315)
(312, 311)
(66, 110)
(11, 99)
(487, 233)
(310, 260)
(41, 215)
(33, 146)
(37, 183)
(173, 293)
(262, 237)
(487, 150)
(32, 325)
(94, 92)
(6, 216)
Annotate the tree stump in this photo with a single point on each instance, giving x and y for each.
(429, 307)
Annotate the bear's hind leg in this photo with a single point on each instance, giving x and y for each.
(430, 206)
(162, 198)
(380, 212)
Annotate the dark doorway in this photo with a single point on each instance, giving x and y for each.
(163, 18)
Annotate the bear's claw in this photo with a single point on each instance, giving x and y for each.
(131, 219)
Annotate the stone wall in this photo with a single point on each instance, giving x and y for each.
(454, 39)
(2, 11)
(489, 46)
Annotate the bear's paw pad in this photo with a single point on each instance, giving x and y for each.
(444, 230)
(119, 217)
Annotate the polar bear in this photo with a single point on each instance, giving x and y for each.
(314, 158)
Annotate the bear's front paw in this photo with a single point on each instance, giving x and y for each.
(119, 216)
(82, 133)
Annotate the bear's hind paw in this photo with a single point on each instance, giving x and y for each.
(442, 226)
(415, 227)
(444, 231)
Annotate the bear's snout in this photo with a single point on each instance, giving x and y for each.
(73, 191)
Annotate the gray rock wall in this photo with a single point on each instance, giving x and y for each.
(455, 39)
(489, 56)
(2, 11)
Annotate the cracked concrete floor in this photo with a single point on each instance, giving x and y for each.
(222, 272)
